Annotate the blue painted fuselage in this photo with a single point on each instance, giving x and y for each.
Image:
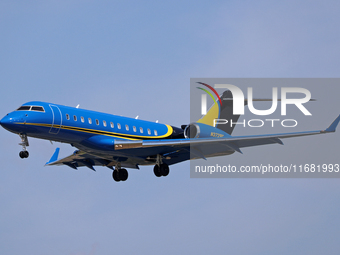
(111, 140)
(78, 126)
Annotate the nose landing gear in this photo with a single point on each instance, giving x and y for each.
(24, 143)
(23, 154)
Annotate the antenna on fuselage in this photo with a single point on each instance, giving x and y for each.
(156, 121)
(77, 106)
(137, 117)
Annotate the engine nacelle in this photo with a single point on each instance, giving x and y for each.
(200, 130)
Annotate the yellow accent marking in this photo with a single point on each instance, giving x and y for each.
(101, 132)
(212, 114)
(170, 131)
(98, 132)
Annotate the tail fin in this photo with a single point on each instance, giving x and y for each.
(226, 113)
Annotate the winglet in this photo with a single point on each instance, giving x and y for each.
(54, 156)
(333, 126)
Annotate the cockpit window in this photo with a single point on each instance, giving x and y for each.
(24, 108)
(37, 108)
(31, 108)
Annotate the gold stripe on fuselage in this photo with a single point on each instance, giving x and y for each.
(100, 132)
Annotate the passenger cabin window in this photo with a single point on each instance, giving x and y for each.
(141, 129)
(155, 132)
(134, 129)
(111, 124)
(104, 123)
(67, 117)
(82, 119)
(97, 122)
(118, 125)
(74, 117)
(90, 121)
(127, 127)
(149, 131)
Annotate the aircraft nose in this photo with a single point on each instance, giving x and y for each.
(13, 122)
(8, 122)
(5, 121)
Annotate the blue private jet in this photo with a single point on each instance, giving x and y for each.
(119, 142)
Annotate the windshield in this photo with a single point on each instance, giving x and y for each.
(31, 108)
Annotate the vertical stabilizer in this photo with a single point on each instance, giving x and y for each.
(226, 113)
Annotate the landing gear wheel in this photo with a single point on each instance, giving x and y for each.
(115, 175)
(123, 174)
(164, 169)
(120, 175)
(23, 154)
(157, 171)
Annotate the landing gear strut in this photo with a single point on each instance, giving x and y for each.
(160, 169)
(120, 174)
(24, 142)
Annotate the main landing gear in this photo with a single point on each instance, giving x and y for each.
(120, 174)
(24, 142)
(160, 169)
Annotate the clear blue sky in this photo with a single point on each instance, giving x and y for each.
(136, 58)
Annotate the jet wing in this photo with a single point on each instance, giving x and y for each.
(144, 152)
(210, 147)
(80, 158)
